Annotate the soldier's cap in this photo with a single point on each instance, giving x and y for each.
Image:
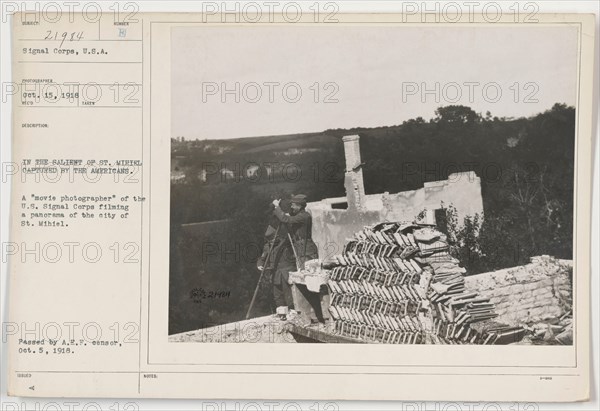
(299, 199)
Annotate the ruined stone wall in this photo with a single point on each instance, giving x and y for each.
(537, 292)
(462, 190)
(267, 329)
(331, 227)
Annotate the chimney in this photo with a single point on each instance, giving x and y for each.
(353, 181)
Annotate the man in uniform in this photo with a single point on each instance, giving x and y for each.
(299, 225)
(281, 261)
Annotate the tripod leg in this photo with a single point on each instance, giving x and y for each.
(262, 272)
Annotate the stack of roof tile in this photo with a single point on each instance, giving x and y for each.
(398, 283)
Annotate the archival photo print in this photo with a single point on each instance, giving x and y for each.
(379, 184)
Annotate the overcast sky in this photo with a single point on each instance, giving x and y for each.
(371, 71)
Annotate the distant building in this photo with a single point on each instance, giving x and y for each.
(227, 173)
(336, 219)
(297, 151)
(253, 171)
(177, 176)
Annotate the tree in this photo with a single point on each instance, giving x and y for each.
(456, 115)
